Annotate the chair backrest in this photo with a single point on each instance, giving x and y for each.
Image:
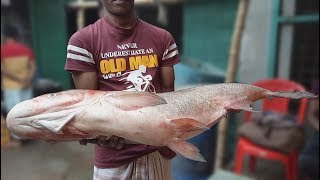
(281, 104)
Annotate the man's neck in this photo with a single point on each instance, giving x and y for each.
(125, 22)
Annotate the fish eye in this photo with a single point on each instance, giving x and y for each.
(52, 95)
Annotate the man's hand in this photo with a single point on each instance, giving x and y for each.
(103, 141)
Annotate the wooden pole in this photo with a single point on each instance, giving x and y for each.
(80, 14)
(81, 6)
(231, 77)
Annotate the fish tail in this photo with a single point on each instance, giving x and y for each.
(292, 94)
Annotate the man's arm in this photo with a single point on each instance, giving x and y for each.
(167, 78)
(85, 80)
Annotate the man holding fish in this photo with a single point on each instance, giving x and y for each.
(122, 33)
(156, 124)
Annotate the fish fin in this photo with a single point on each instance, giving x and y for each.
(186, 149)
(188, 124)
(244, 105)
(188, 128)
(292, 95)
(217, 120)
(72, 130)
(135, 100)
(54, 124)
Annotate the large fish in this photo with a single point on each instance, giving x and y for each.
(164, 119)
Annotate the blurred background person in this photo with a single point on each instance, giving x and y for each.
(309, 157)
(17, 68)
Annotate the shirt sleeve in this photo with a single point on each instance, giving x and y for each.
(171, 54)
(79, 57)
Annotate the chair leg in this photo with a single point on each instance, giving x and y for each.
(288, 170)
(294, 167)
(252, 163)
(239, 160)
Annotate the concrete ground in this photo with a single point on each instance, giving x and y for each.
(265, 170)
(39, 160)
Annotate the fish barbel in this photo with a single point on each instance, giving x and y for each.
(163, 119)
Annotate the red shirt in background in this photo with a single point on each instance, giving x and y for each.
(15, 58)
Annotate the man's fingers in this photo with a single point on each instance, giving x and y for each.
(120, 143)
(101, 144)
(117, 142)
(83, 142)
(103, 138)
(104, 141)
(113, 141)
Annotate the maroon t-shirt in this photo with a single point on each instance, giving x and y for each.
(124, 59)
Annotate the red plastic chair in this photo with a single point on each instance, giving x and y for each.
(246, 147)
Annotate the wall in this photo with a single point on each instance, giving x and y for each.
(16, 14)
(49, 35)
(254, 47)
(208, 27)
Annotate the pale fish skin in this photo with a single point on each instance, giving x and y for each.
(163, 119)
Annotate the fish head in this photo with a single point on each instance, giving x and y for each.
(52, 102)
(50, 111)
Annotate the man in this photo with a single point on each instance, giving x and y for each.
(17, 71)
(122, 52)
(17, 68)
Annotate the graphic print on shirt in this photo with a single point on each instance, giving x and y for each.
(138, 81)
(130, 64)
(129, 57)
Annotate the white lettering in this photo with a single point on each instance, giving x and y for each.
(124, 53)
(149, 51)
(127, 46)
